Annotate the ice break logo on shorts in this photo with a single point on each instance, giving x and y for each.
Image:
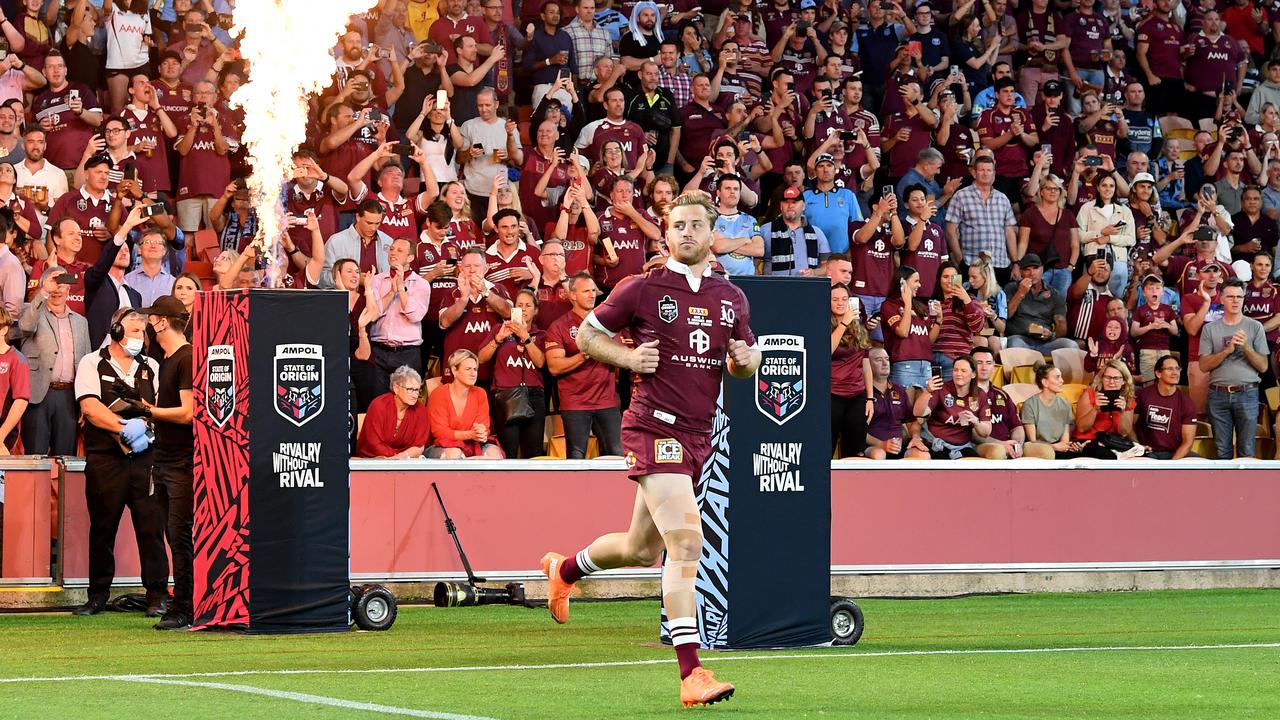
(220, 384)
(668, 450)
(299, 373)
(780, 386)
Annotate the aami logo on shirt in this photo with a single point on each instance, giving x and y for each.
(479, 326)
(780, 385)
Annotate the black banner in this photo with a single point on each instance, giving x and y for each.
(299, 489)
(770, 472)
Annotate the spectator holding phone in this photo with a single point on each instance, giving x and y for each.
(891, 419)
(1109, 226)
(551, 54)
(851, 397)
(961, 318)
(955, 411)
(1105, 414)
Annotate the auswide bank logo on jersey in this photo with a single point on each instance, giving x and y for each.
(220, 384)
(780, 385)
(299, 374)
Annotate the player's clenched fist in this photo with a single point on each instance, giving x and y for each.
(644, 358)
(739, 353)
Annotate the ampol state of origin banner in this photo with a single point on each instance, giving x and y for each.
(765, 492)
(271, 479)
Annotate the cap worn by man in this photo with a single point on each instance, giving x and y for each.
(808, 4)
(1144, 177)
(824, 157)
(793, 193)
(1053, 87)
(1029, 260)
(166, 306)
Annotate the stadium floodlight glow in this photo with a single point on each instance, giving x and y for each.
(288, 45)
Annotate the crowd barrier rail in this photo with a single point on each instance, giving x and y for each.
(887, 517)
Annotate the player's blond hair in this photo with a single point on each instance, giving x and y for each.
(696, 198)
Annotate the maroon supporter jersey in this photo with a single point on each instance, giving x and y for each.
(90, 215)
(698, 125)
(501, 268)
(627, 133)
(69, 134)
(693, 329)
(577, 249)
(946, 405)
(1154, 339)
(553, 301)
(176, 103)
(1087, 33)
(927, 258)
(534, 167)
(593, 385)
(847, 378)
(872, 261)
(891, 410)
(15, 379)
(916, 346)
(75, 291)
(202, 171)
(425, 259)
(1212, 62)
(511, 363)
(471, 331)
(855, 156)
(154, 168)
(1158, 420)
(1262, 302)
(325, 206)
(399, 216)
(1164, 41)
(904, 154)
(1004, 414)
(1011, 158)
(628, 242)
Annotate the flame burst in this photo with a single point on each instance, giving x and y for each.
(288, 44)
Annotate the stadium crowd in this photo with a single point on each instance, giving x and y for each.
(1049, 226)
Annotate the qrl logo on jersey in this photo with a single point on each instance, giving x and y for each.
(299, 373)
(220, 384)
(780, 386)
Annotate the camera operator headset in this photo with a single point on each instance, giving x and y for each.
(111, 386)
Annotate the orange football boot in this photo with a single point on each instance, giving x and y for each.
(558, 591)
(702, 688)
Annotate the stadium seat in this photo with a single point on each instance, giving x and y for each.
(1205, 448)
(204, 271)
(1071, 362)
(1072, 392)
(1020, 364)
(1019, 392)
(206, 245)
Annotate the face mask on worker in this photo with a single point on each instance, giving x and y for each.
(133, 346)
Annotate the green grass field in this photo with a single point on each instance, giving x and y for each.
(918, 659)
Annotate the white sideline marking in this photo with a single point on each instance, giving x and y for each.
(307, 698)
(663, 661)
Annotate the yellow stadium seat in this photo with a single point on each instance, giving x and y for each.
(1019, 392)
(1072, 392)
(1204, 447)
(1020, 364)
(1071, 362)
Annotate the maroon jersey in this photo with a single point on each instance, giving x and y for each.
(75, 291)
(15, 379)
(693, 329)
(627, 133)
(203, 171)
(500, 268)
(927, 258)
(511, 363)
(855, 156)
(1043, 27)
(946, 404)
(1087, 33)
(793, 117)
(916, 346)
(1158, 420)
(474, 328)
(349, 154)
(553, 301)
(445, 28)
(1061, 137)
(1262, 302)
(325, 205)
(1184, 272)
(1011, 158)
(962, 143)
(891, 409)
(90, 215)
(698, 125)
(69, 134)
(872, 260)
(628, 242)
(1212, 62)
(399, 216)
(426, 258)
(1104, 136)
(904, 154)
(176, 103)
(602, 180)
(593, 385)
(847, 378)
(153, 169)
(534, 166)
(824, 124)
(1164, 42)
(577, 251)
(1191, 304)
(464, 233)
(1154, 339)
(1003, 414)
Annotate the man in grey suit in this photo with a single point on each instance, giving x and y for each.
(54, 338)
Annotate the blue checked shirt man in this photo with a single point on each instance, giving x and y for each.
(590, 41)
(980, 219)
(831, 207)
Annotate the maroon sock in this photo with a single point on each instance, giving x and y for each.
(687, 656)
(569, 570)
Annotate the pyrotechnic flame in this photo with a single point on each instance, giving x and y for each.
(288, 45)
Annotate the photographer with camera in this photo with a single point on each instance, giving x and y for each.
(112, 386)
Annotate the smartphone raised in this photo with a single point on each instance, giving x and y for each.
(442, 98)
(517, 315)
(151, 210)
(403, 149)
